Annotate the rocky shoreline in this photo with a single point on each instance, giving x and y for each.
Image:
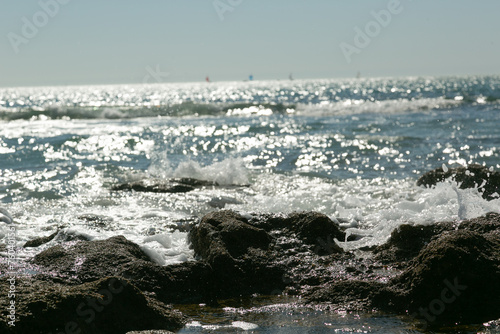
(441, 275)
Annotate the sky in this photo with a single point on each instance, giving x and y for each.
(76, 42)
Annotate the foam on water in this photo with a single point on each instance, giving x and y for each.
(351, 149)
(345, 96)
(227, 172)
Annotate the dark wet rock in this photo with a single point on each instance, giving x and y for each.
(87, 261)
(472, 176)
(106, 306)
(240, 255)
(485, 224)
(407, 241)
(226, 232)
(269, 252)
(40, 241)
(317, 229)
(155, 186)
(189, 282)
(175, 185)
(352, 295)
(454, 279)
(151, 332)
(313, 228)
(237, 252)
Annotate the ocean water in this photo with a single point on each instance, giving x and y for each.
(350, 148)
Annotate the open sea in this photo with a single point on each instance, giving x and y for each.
(350, 148)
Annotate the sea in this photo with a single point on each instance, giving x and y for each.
(349, 148)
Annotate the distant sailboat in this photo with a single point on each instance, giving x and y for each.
(250, 77)
(358, 75)
(207, 79)
(290, 77)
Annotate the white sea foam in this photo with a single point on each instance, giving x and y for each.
(226, 172)
(352, 107)
(235, 325)
(362, 169)
(5, 216)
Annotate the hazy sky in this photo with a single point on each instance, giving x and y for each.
(59, 42)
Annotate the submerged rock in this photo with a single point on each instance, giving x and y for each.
(473, 176)
(40, 241)
(174, 185)
(110, 305)
(157, 186)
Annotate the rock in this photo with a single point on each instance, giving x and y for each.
(407, 241)
(107, 306)
(87, 261)
(189, 282)
(317, 229)
(312, 228)
(237, 252)
(352, 295)
(450, 276)
(454, 280)
(472, 176)
(155, 187)
(226, 231)
(175, 185)
(39, 241)
(485, 224)
(151, 332)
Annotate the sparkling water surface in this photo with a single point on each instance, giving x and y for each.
(351, 149)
